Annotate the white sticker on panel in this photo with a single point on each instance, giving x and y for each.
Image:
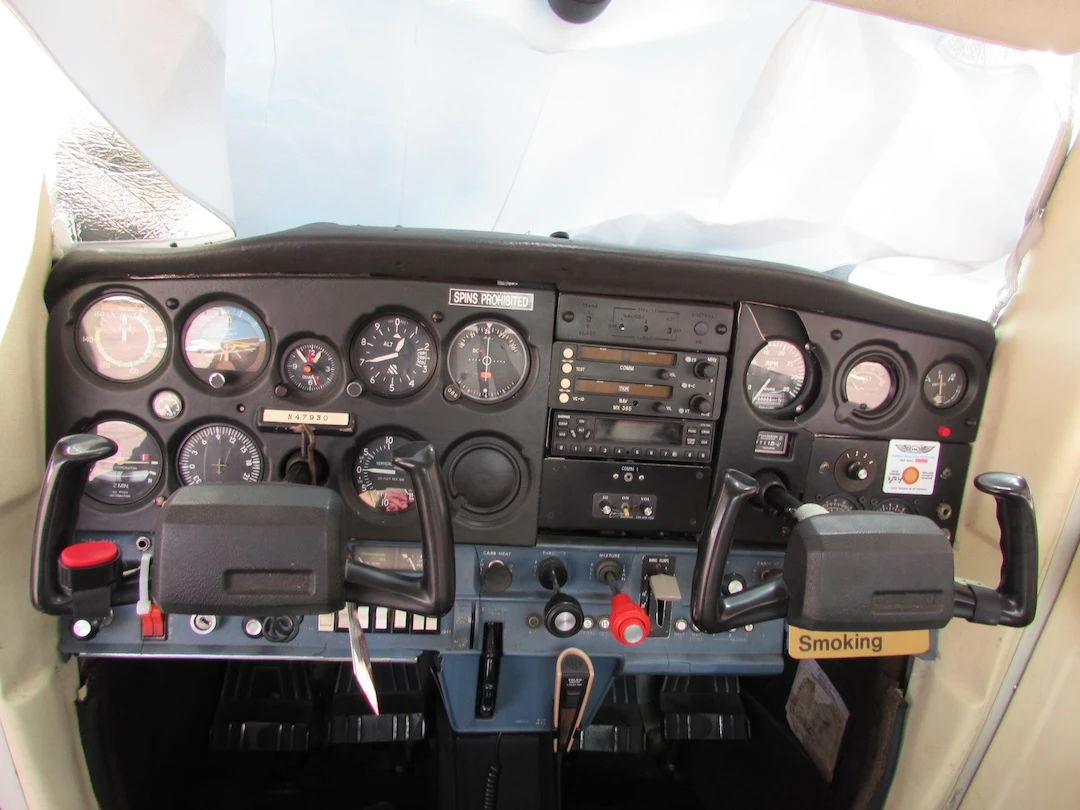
(911, 467)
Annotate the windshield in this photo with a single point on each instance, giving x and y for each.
(892, 155)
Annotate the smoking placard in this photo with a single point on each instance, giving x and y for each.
(911, 467)
(842, 644)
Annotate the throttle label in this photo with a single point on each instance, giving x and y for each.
(828, 644)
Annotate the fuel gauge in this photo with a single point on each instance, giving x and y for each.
(944, 385)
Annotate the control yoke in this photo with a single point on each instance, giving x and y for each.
(233, 549)
(865, 570)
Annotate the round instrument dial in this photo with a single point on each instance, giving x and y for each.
(310, 366)
(218, 454)
(122, 338)
(870, 385)
(776, 376)
(132, 472)
(944, 385)
(840, 503)
(488, 361)
(394, 356)
(894, 505)
(379, 484)
(225, 344)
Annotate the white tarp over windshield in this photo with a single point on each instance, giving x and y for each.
(772, 129)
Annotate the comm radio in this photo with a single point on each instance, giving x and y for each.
(615, 379)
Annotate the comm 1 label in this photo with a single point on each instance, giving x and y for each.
(491, 299)
(832, 644)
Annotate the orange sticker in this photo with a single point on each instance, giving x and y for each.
(857, 644)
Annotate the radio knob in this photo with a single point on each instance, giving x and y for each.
(700, 404)
(661, 407)
(605, 507)
(647, 510)
(705, 370)
(665, 374)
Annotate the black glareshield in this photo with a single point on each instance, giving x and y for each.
(868, 570)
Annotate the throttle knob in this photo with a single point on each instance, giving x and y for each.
(563, 615)
(629, 622)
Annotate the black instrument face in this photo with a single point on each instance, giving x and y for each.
(225, 344)
(122, 338)
(379, 484)
(218, 454)
(394, 356)
(894, 505)
(775, 376)
(310, 366)
(488, 361)
(944, 385)
(133, 472)
(840, 503)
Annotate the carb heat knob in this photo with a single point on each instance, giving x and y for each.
(496, 577)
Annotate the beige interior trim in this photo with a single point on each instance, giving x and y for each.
(1031, 425)
(37, 690)
(1038, 25)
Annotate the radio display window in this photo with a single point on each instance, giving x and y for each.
(623, 389)
(604, 354)
(637, 431)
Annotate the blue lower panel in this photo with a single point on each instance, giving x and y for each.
(529, 650)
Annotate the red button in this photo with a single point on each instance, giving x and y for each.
(153, 623)
(89, 555)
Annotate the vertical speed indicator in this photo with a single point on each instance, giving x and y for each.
(488, 361)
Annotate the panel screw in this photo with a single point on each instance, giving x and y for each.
(823, 467)
(568, 316)
(437, 317)
(836, 334)
(172, 303)
(721, 329)
(946, 474)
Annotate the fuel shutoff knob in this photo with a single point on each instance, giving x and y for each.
(629, 623)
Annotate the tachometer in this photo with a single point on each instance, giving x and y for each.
(394, 356)
(122, 338)
(775, 376)
(488, 361)
(133, 472)
(310, 366)
(225, 344)
(218, 454)
(379, 484)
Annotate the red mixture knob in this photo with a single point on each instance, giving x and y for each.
(629, 623)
